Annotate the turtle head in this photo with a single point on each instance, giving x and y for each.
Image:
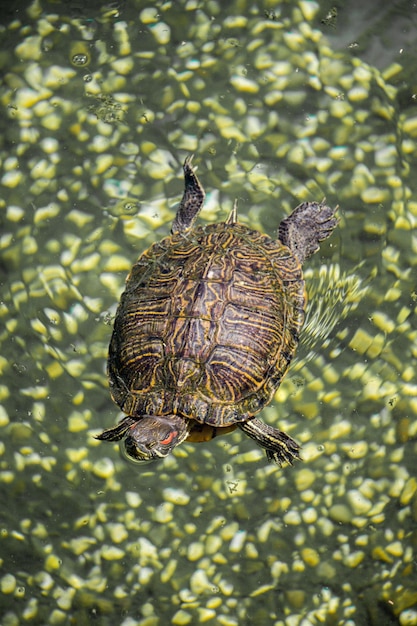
(154, 437)
(149, 437)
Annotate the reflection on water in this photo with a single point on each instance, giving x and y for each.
(100, 107)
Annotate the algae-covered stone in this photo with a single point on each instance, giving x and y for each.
(7, 584)
(104, 468)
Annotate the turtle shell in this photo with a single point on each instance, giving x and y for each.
(207, 325)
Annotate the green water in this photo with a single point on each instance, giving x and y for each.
(100, 106)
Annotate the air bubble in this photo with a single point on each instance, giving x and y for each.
(80, 59)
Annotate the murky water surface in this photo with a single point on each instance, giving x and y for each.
(280, 102)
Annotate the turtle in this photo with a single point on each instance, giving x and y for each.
(207, 327)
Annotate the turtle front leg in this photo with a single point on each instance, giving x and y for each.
(191, 201)
(279, 446)
(117, 432)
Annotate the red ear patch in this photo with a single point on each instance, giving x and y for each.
(170, 437)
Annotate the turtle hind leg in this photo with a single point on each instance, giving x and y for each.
(279, 446)
(308, 225)
(191, 202)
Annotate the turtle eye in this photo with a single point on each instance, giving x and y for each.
(135, 453)
(137, 460)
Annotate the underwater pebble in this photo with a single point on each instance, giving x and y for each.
(340, 513)
(374, 195)
(195, 551)
(56, 76)
(206, 614)
(410, 488)
(410, 126)
(358, 450)
(122, 36)
(379, 554)
(169, 570)
(296, 598)
(103, 163)
(123, 66)
(111, 553)
(309, 515)
(358, 503)
(145, 575)
(44, 580)
(238, 541)
(354, 559)
(176, 496)
(310, 557)
(118, 532)
(76, 423)
(240, 83)
(133, 499)
(30, 611)
(213, 544)
(52, 563)
(30, 49)
(149, 15)
(103, 468)
(309, 9)
(199, 583)
(8, 584)
(46, 213)
(57, 617)
(185, 595)
(161, 32)
(64, 601)
(181, 618)
(11, 179)
(386, 156)
(408, 617)
(292, 518)
(304, 479)
(163, 513)
(395, 548)
(79, 545)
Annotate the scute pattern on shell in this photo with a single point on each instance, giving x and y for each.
(207, 325)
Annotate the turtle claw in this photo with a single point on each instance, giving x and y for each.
(308, 225)
(285, 454)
